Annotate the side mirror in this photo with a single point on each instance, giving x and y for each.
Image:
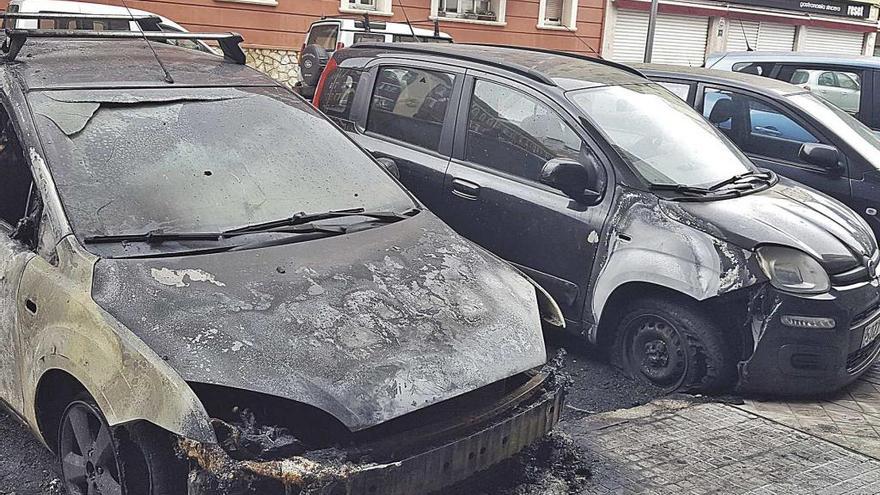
(390, 165)
(580, 182)
(821, 155)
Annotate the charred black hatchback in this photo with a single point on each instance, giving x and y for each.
(658, 238)
(205, 287)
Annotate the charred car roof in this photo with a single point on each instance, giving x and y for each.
(81, 64)
(568, 71)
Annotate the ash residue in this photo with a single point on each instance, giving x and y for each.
(245, 439)
(554, 465)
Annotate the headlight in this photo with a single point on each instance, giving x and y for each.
(792, 270)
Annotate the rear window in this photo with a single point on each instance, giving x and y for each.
(339, 91)
(324, 35)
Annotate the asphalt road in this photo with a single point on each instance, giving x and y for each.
(557, 466)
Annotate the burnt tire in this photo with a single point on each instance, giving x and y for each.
(311, 64)
(671, 343)
(95, 458)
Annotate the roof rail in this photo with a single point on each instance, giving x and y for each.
(597, 59)
(428, 49)
(15, 38)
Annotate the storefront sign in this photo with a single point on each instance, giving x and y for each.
(828, 7)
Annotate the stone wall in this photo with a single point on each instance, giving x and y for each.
(280, 65)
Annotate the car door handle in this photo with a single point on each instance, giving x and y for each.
(465, 189)
(30, 306)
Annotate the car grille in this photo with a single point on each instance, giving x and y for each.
(855, 361)
(861, 273)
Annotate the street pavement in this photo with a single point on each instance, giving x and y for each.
(688, 446)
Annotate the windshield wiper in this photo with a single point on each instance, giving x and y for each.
(154, 237)
(681, 188)
(736, 178)
(303, 218)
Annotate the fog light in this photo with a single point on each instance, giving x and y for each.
(807, 321)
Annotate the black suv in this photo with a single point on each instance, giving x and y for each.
(653, 232)
(787, 129)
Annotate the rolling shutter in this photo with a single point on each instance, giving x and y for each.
(825, 40)
(553, 11)
(764, 36)
(679, 40)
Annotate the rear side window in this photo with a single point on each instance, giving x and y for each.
(514, 133)
(756, 68)
(369, 38)
(339, 92)
(324, 35)
(842, 88)
(410, 105)
(678, 89)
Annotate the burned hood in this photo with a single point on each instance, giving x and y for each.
(786, 214)
(366, 326)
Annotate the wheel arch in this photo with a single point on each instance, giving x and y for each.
(618, 300)
(55, 389)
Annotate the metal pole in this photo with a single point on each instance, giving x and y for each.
(652, 23)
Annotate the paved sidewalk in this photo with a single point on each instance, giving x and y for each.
(686, 447)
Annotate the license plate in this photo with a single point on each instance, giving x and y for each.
(871, 332)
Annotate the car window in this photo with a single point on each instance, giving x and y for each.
(410, 104)
(324, 35)
(15, 176)
(192, 45)
(678, 89)
(755, 126)
(661, 137)
(512, 132)
(757, 68)
(369, 38)
(800, 77)
(842, 88)
(408, 38)
(827, 79)
(339, 93)
(200, 159)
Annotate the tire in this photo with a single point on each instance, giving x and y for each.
(97, 459)
(674, 345)
(311, 64)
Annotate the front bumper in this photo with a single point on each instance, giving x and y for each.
(439, 465)
(810, 361)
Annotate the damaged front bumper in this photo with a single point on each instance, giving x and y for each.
(798, 360)
(445, 459)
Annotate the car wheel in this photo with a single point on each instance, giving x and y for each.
(97, 459)
(673, 345)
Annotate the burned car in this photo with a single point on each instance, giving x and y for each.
(208, 288)
(658, 238)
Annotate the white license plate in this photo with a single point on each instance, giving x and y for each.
(872, 331)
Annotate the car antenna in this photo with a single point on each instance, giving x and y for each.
(168, 78)
(411, 29)
(748, 45)
(583, 41)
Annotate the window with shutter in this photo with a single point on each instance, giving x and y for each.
(553, 12)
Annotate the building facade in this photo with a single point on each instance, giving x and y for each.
(274, 30)
(689, 30)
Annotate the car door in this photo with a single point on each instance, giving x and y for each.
(505, 133)
(772, 136)
(17, 192)
(407, 115)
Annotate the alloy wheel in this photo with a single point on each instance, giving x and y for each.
(88, 453)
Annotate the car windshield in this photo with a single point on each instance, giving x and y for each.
(660, 136)
(850, 130)
(200, 160)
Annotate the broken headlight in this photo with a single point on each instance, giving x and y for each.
(792, 270)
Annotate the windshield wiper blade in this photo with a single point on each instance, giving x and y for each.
(303, 218)
(753, 174)
(680, 188)
(154, 237)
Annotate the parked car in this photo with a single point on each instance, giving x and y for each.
(851, 83)
(659, 239)
(211, 267)
(788, 130)
(96, 10)
(333, 33)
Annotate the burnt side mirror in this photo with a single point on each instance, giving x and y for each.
(390, 165)
(582, 182)
(821, 155)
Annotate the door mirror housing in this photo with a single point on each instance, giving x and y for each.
(389, 165)
(581, 182)
(821, 155)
